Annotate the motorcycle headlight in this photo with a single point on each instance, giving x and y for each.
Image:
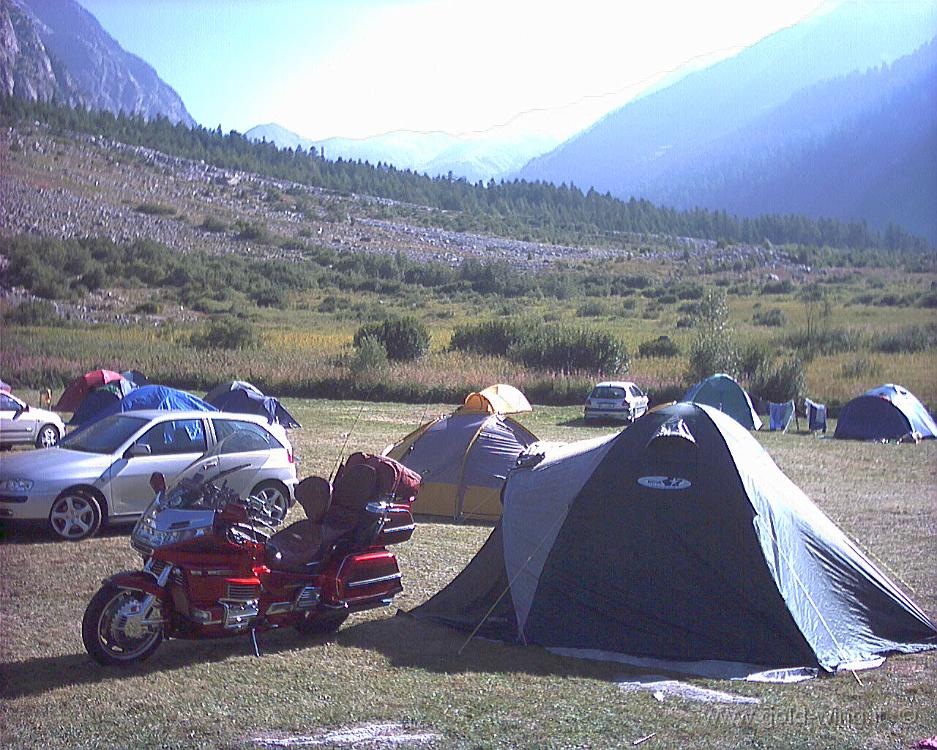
(16, 485)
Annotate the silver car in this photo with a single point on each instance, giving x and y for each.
(22, 424)
(101, 473)
(615, 399)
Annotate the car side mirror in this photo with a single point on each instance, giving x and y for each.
(138, 449)
(21, 410)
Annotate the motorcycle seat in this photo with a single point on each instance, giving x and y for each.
(299, 544)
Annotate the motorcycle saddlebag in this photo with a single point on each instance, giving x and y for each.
(368, 578)
(398, 525)
(393, 477)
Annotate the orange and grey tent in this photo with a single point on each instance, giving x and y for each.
(465, 456)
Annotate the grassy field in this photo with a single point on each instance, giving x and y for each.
(380, 668)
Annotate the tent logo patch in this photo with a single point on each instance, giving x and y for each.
(665, 483)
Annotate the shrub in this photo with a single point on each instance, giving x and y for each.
(253, 231)
(592, 309)
(860, 367)
(148, 308)
(403, 339)
(785, 382)
(213, 224)
(37, 312)
(155, 209)
(493, 337)
(226, 332)
(714, 349)
(662, 346)
(572, 349)
(778, 287)
(370, 360)
(822, 341)
(773, 318)
(910, 339)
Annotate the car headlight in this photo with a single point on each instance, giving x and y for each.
(16, 485)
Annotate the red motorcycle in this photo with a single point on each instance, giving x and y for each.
(213, 568)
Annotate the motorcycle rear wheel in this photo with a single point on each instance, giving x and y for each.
(109, 630)
(326, 623)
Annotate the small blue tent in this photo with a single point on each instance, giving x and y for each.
(725, 394)
(153, 397)
(244, 401)
(232, 385)
(888, 412)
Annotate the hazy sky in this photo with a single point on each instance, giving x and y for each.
(356, 68)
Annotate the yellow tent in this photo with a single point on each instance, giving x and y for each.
(465, 456)
(497, 399)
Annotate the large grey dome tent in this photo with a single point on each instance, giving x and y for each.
(889, 412)
(725, 394)
(677, 544)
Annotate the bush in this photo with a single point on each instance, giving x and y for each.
(860, 367)
(592, 309)
(773, 318)
(785, 382)
(778, 287)
(148, 308)
(252, 231)
(226, 332)
(155, 209)
(38, 312)
(370, 359)
(823, 341)
(213, 224)
(404, 339)
(714, 349)
(910, 339)
(572, 349)
(662, 346)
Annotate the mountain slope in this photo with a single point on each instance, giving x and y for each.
(57, 49)
(633, 150)
(863, 146)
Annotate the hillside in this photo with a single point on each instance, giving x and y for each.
(55, 49)
(644, 148)
(855, 147)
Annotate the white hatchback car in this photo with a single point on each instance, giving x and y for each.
(22, 424)
(101, 473)
(615, 399)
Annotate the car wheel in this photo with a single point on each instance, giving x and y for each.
(48, 436)
(75, 515)
(275, 497)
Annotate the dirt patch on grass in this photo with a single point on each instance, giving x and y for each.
(370, 736)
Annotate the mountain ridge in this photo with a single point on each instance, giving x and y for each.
(55, 49)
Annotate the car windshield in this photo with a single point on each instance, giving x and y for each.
(607, 391)
(105, 436)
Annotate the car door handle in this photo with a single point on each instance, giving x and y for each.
(210, 464)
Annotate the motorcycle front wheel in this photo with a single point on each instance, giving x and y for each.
(114, 629)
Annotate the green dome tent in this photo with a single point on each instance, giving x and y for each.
(725, 394)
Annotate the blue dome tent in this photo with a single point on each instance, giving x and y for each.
(889, 412)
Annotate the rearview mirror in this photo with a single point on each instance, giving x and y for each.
(138, 449)
(157, 481)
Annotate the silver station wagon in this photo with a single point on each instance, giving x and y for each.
(101, 474)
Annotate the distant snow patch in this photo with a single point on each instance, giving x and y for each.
(674, 688)
(370, 736)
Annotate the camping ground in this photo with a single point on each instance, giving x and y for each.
(381, 669)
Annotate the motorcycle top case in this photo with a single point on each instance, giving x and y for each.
(393, 477)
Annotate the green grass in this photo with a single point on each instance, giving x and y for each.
(385, 668)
